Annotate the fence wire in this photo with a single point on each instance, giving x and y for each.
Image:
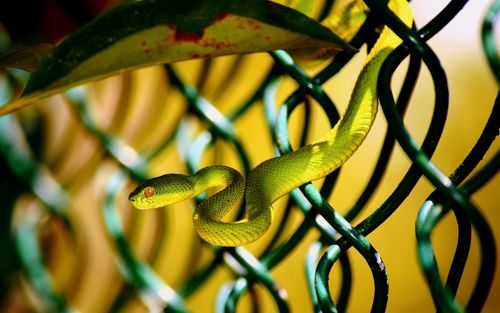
(47, 236)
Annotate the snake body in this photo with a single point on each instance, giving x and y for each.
(277, 176)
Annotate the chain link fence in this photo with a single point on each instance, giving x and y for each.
(71, 241)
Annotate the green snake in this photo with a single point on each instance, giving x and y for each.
(277, 176)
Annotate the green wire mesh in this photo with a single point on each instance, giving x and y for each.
(33, 199)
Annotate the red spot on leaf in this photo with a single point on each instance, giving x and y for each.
(254, 24)
(220, 17)
(180, 35)
(160, 49)
(193, 55)
(217, 44)
(241, 25)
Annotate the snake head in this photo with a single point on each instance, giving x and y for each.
(161, 191)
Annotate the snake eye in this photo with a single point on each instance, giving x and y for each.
(149, 192)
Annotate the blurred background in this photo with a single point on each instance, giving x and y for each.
(69, 162)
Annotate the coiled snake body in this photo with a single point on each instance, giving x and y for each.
(275, 177)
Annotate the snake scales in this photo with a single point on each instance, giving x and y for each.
(276, 177)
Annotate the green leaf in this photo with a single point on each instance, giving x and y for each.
(25, 58)
(149, 32)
